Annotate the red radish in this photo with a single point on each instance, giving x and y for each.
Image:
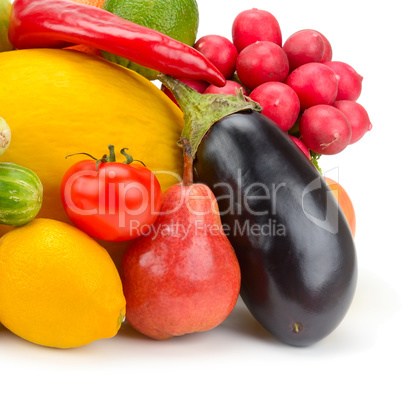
(199, 86)
(255, 25)
(314, 83)
(301, 145)
(325, 129)
(350, 82)
(358, 118)
(327, 56)
(220, 51)
(305, 46)
(228, 89)
(279, 102)
(262, 62)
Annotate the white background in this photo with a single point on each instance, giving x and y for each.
(239, 361)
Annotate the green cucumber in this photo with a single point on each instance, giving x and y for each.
(21, 194)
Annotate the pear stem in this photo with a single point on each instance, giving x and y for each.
(188, 162)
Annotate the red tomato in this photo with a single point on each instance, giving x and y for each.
(344, 202)
(114, 202)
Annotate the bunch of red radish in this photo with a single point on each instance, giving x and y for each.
(297, 84)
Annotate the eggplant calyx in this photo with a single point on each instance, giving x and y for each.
(202, 111)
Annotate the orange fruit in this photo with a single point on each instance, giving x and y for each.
(85, 48)
(344, 202)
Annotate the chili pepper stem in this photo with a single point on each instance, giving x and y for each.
(201, 111)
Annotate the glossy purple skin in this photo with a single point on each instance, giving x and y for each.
(298, 281)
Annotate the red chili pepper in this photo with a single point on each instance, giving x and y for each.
(62, 23)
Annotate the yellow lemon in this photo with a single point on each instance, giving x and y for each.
(58, 287)
(59, 102)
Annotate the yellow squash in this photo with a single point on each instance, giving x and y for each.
(59, 102)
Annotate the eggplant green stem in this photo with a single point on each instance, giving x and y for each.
(188, 162)
(202, 111)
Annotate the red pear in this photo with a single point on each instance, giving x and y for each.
(182, 276)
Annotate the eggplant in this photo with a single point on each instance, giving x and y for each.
(295, 248)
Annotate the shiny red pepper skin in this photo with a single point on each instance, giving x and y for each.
(61, 23)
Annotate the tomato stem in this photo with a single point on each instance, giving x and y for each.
(112, 155)
(82, 153)
(129, 158)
